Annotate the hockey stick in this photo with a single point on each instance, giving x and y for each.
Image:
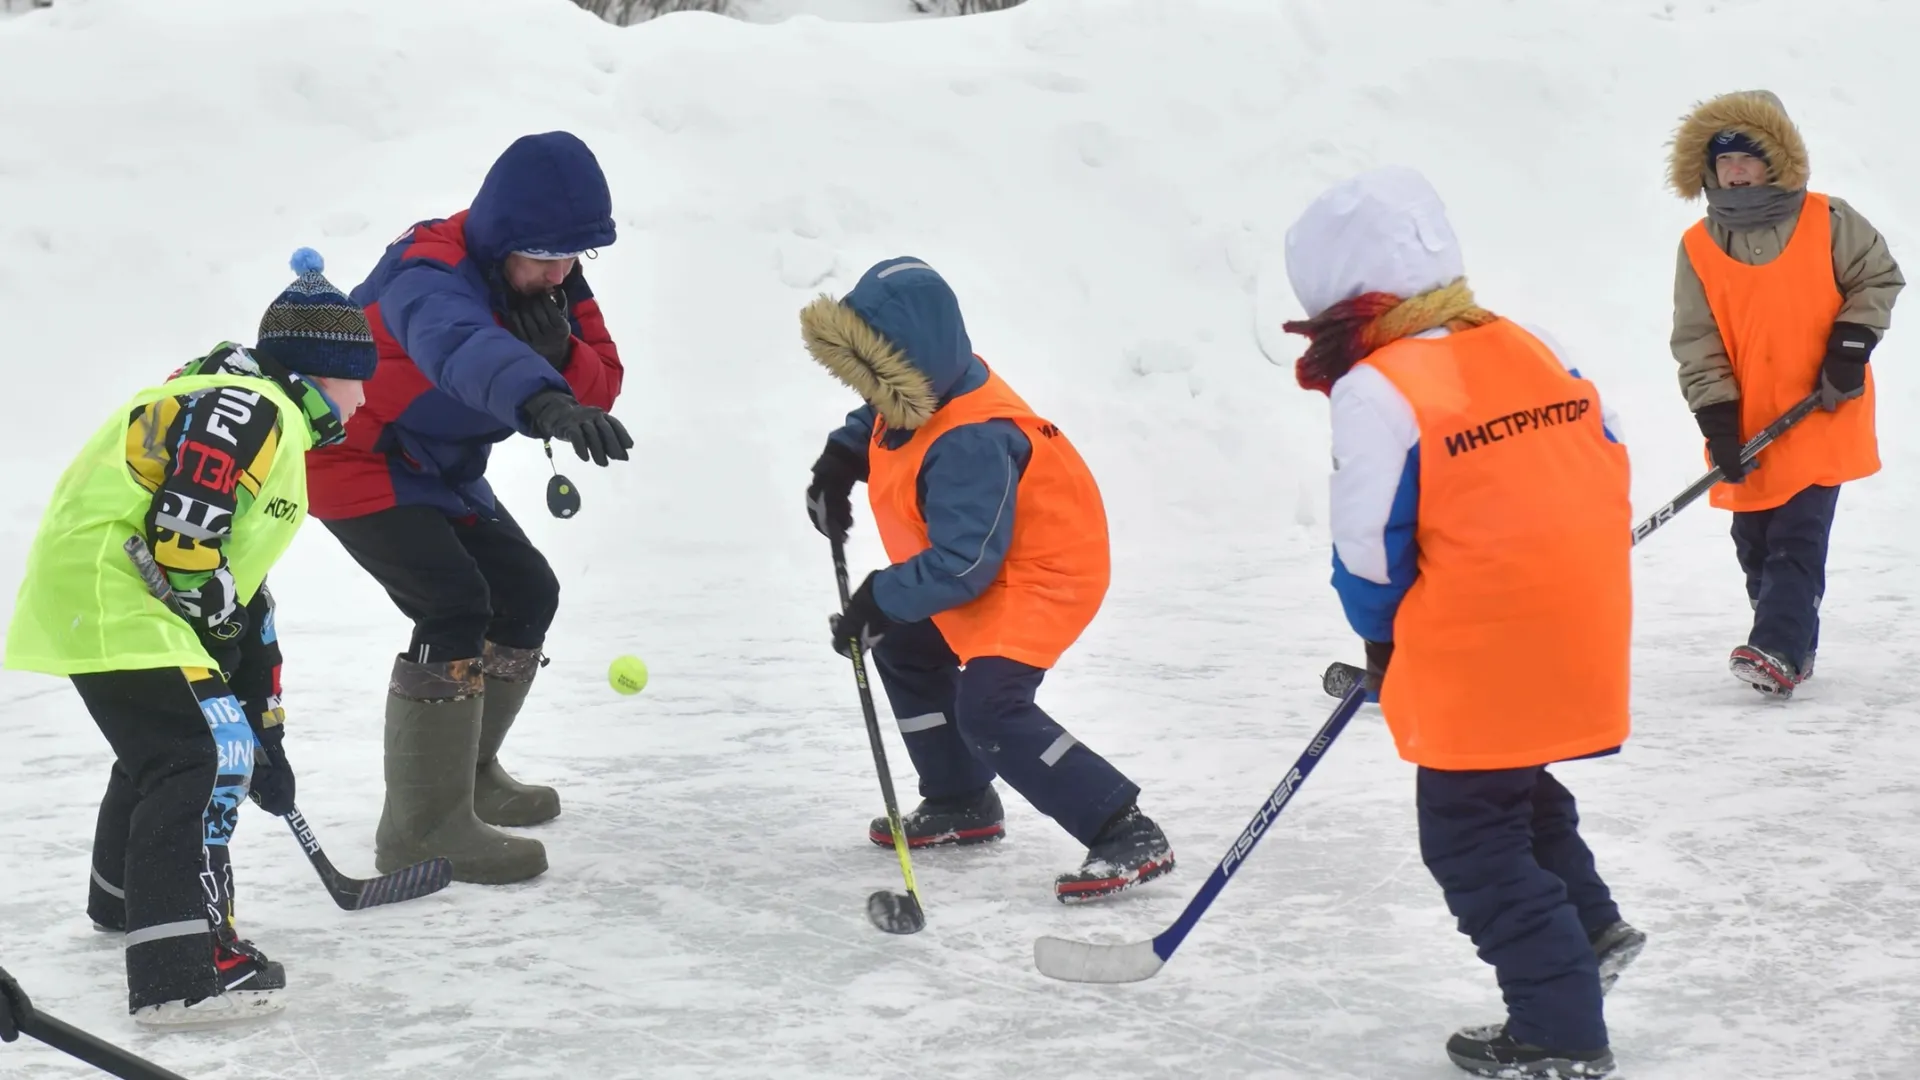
(1081, 961)
(1340, 678)
(893, 912)
(73, 1042)
(1747, 453)
(358, 894)
(352, 894)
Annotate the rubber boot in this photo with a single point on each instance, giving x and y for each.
(433, 741)
(499, 799)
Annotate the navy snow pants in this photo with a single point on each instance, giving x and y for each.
(1784, 554)
(1505, 846)
(963, 727)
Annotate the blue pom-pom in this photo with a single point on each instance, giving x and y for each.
(308, 261)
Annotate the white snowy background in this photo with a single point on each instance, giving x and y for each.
(1106, 183)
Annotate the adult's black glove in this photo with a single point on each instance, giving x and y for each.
(1720, 423)
(1843, 374)
(272, 775)
(554, 414)
(1379, 653)
(830, 496)
(863, 619)
(541, 321)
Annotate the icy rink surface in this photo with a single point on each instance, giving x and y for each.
(1106, 184)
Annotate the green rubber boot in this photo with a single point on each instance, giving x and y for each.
(499, 799)
(433, 742)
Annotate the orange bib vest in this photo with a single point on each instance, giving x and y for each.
(1057, 567)
(1774, 320)
(1511, 648)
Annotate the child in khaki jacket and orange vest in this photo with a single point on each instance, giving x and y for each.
(998, 542)
(1780, 292)
(1481, 523)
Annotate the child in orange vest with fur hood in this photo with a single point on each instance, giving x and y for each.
(998, 543)
(1780, 292)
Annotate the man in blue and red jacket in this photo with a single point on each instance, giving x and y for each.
(485, 328)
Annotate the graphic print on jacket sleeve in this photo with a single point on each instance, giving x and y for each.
(204, 457)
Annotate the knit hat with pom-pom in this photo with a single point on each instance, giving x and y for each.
(313, 328)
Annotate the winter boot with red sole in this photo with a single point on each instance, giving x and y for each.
(955, 821)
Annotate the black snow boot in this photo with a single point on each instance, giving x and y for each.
(1490, 1051)
(1130, 850)
(1616, 946)
(1772, 675)
(973, 818)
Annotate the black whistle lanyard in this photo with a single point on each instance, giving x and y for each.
(563, 499)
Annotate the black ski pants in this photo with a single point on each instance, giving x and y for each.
(462, 582)
(1783, 552)
(183, 757)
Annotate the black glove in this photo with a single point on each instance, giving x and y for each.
(1378, 655)
(541, 321)
(1843, 374)
(14, 1007)
(830, 496)
(1720, 423)
(217, 618)
(272, 774)
(863, 619)
(554, 414)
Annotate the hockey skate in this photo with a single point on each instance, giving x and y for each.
(1130, 851)
(1490, 1051)
(243, 967)
(215, 1011)
(1765, 672)
(973, 818)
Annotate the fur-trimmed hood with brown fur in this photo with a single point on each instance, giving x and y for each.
(1757, 114)
(897, 339)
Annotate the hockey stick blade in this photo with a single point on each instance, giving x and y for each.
(358, 894)
(1339, 678)
(896, 913)
(1082, 961)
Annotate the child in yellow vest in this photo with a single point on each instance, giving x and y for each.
(208, 470)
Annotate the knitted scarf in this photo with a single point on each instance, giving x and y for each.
(1351, 330)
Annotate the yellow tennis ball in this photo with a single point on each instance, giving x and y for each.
(628, 674)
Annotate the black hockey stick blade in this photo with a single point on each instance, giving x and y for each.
(357, 894)
(1340, 678)
(407, 883)
(896, 913)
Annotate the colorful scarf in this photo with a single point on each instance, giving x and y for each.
(1351, 330)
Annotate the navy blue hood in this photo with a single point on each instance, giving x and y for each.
(545, 193)
(913, 307)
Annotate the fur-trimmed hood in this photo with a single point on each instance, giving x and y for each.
(897, 339)
(1757, 114)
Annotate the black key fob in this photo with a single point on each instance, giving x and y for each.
(563, 499)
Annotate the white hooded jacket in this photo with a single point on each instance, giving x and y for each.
(1381, 231)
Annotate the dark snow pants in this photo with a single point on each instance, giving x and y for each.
(463, 583)
(963, 727)
(1784, 554)
(1505, 847)
(183, 757)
